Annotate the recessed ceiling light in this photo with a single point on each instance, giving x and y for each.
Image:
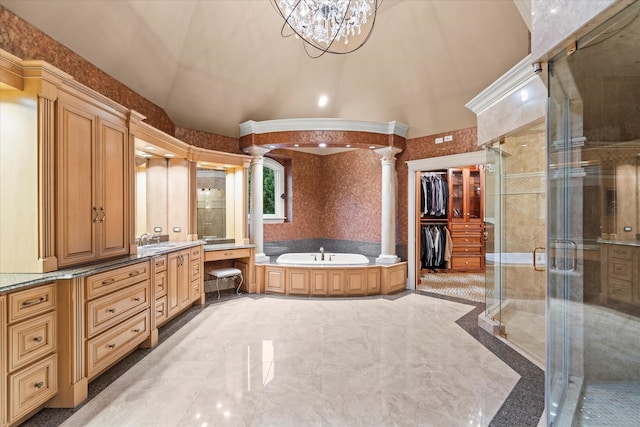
(296, 145)
(149, 147)
(147, 155)
(169, 155)
(272, 146)
(322, 101)
(227, 166)
(372, 146)
(322, 145)
(348, 145)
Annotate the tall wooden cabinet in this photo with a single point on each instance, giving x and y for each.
(466, 218)
(93, 159)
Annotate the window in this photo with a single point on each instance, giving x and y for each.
(272, 192)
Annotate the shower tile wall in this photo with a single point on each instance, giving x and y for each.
(524, 223)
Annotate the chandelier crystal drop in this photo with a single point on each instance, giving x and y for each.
(328, 26)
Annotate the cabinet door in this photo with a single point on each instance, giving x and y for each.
(4, 352)
(77, 213)
(456, 195)
(274, 279)
(173, 277)
(113, 204)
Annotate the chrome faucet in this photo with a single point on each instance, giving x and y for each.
(143, 237)
(321, 253)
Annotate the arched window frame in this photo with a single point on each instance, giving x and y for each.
(278, 189)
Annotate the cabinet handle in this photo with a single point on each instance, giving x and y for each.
(159, 263)
(33, 302)
(161, 286)
(137, 330)
(39, 384)
(160, 311)
(134, 273)
(108, 282)
(111, 310)
(136, 299)
(95, 211)
(38, 339)
(104, 214)
(111, 346)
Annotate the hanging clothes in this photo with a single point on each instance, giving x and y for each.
(434, 195)
(435, 246)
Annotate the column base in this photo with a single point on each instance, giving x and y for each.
(262, 259)
(387, 259)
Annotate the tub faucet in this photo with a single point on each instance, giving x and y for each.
(321, 253)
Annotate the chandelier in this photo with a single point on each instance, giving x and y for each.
(328, 26)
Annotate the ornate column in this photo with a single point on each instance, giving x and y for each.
(388, 232)
(256, 232)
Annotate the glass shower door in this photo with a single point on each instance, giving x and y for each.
(493, 232)
(593, 231)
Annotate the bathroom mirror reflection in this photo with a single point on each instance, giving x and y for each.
(211, 202)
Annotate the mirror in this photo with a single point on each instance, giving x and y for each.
(211, 202)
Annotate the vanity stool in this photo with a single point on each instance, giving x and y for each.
(226, 273)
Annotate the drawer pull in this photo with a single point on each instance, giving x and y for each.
(134, 273)
(136, 299)
(33, 301)
(137, 331)
(39, 384)
(466, 262)
(38, 339)
(111, 346)
(160, 263)
(111, 310)
(161, 286)
(160, 311)
(108, 282)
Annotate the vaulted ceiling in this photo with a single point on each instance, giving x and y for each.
(212, 64)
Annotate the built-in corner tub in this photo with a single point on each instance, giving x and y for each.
(317, 259)
(338, 274)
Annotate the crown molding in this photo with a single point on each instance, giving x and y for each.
(504, 86)
(322, 124)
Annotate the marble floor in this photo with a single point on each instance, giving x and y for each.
(409, 359)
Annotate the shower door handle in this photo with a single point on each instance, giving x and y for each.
(565, 255)
(536, 259)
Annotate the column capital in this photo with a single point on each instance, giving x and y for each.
(388, 154)
(256, 151)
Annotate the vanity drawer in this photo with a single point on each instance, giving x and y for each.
(465, 263)
(195, 252)
(107, 311)
(32, 387)
(161, 310)
(31, 302)
(195, 270)
(621, 269)
(622, 252)
(109, 347)
(160, 284)
(160, 263)
(196, 289)
(31, 339)
(228, 254)
(471, 250)
(119, 278)
(620, 290)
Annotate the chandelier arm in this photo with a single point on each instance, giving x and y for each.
(313, 43)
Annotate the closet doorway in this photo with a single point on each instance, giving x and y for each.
(448, 251)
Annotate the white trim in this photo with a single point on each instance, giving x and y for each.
(434, 163)
(278, 189)
(323, 124)
(507, 84)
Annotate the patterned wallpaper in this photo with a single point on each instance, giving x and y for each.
(209, 141)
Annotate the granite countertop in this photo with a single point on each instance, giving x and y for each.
(225, 246)
(13, 281)
(620, 242)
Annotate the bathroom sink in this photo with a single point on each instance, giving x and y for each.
(154, 247)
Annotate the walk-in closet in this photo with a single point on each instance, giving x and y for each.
(450, 231)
